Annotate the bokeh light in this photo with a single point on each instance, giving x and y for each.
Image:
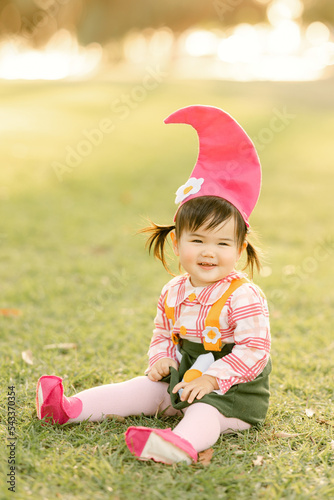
(283, 10)
(201, 43)
(61, 57)
(317, 33)
(280, 47)
(285, 38)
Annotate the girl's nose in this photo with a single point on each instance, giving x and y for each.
(207, 251)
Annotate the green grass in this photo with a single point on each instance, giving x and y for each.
(72, 263)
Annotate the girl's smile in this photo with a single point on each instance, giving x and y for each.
(208, 255)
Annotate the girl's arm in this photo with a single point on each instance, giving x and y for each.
(161, 343)
(248, 318)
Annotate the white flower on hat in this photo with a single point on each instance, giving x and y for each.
(211, 334)
(192, 186)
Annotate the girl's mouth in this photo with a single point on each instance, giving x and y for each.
(206, 264)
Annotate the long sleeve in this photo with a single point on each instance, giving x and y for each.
(248, 322)
(161, 343)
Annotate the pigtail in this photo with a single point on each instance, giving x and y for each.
(253, 258)
(157, 241)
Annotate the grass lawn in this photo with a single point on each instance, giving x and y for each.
(72, 200)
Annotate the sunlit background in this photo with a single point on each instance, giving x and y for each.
(280, 40)
(85, 160)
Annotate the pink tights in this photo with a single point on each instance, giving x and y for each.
(201, 425)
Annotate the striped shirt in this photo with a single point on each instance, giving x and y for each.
(244, 321)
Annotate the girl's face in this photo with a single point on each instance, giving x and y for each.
(208, 255)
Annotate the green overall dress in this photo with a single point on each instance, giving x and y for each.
(247, 401)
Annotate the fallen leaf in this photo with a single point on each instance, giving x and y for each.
(10, 312)
(204, 457)
(111, 416)
(285, 435)
(309, 412)
(100, 249)
(61, 346)
(258, 461)
(27, 357)
(326, 422)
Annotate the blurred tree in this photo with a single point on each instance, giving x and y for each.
(102, 20)
(319, 10)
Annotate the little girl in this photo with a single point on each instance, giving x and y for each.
(209, 354)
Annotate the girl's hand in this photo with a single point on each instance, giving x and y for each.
(197, 388)
(160, 369)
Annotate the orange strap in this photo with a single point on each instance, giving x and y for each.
(169, 311)
(171, 319)
(211, 335)
(212, 319)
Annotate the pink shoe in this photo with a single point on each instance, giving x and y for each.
(51, 402)
(160, 445)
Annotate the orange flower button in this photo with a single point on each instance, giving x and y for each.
(183, 330)
(192, 297)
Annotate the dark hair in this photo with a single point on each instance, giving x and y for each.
(207, 211)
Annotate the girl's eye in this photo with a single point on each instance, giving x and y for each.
(196, 241)
(223, 244)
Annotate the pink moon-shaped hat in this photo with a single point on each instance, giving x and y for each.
(227, 165)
